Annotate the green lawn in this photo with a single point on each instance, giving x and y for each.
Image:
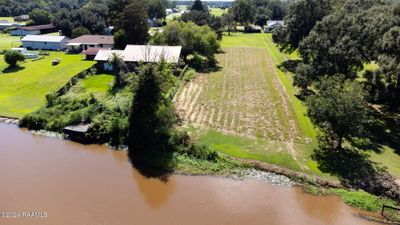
(8, 41)
(244, 40)
(217, 11)
(98, 85)
(10, 19)
(23, 90)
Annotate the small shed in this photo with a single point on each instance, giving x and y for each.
(77, 132)
(44, 42)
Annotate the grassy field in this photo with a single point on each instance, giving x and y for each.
(217, 11)
(9, 19)
(23, 90)
(8, 41)
(248, 109)
(98, 85)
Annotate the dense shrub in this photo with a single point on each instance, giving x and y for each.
(108, 117)
(13, 57)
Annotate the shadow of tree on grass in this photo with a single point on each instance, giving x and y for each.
(354, 169)
(289, 65)
(12, 69)
(386, 131)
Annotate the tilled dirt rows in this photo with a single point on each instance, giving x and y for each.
(245, 98)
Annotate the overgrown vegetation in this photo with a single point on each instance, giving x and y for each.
(105, 111)
(199, 43)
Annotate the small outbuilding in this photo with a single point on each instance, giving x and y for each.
(21, 18)
(77, 132)
(44, 42)
(34, 30)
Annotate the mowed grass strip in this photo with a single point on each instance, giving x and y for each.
(23, 90)
(8, 41)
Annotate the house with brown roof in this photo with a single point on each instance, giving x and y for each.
(34, 30)
(84, 42)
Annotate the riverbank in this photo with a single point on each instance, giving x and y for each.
(240, 169)
(8, 120)
(70, 181)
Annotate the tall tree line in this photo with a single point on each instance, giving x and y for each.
(341, 40)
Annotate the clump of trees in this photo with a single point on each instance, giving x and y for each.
(93, 17)
(130, 22)
(258, 11)
(157, 8)
(300, 20)
(153, 115)
(340, 110)
(347, 39)
(153, 137)
(40, 16)
(13, 57)
(200, 15)
(198, 42)
(335, 40)
(79, 31)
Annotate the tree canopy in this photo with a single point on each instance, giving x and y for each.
(130, 16)
(13, 57)
(301, 18)
(153, 116)
(339, 109)
(40, 16)
(194, 39)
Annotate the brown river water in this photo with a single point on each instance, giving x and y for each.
(92, 185)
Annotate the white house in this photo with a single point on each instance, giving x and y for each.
(44, 42)
(140, 53)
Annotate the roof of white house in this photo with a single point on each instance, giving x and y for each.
(105, 54)
(143, 53)
(43, 38)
